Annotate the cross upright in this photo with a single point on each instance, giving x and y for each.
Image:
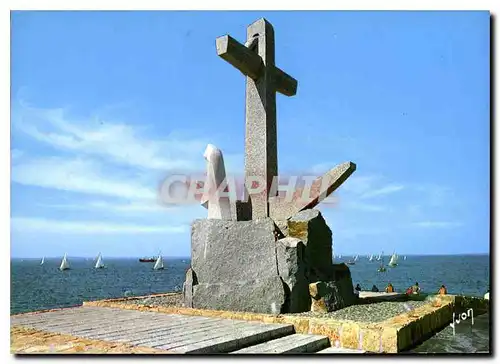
(255, 60)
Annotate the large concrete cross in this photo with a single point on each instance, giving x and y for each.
(255, 60)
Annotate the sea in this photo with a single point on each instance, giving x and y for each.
(38, 287)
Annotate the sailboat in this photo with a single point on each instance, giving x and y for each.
(382, 268)
(99, 264)
(394, 260)
(64, 263)
(371, 258)
(380, 256)
(404, 258)
(159, 263)
(356, 258)
(43, 261)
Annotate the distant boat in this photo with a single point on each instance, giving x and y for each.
(64, 263)
(381, 268)
(340, 256)
(43, 261)
(159, 263)
(394, 260)
(379, 256)
(404, 258)
(356, 258)
(371, 258)
(147, 260)
(99, 264)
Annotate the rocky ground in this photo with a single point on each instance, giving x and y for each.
(172, 300)
(373, 312)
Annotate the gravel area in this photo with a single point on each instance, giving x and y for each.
(373, 312)
(173, 300)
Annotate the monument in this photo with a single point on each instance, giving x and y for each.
(268, 253)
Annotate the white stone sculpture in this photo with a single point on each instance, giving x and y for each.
(214, 199)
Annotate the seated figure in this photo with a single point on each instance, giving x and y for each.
(442, 290)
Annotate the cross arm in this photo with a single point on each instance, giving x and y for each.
(285, 84)
(244, 59)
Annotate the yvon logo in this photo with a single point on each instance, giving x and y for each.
(462, 317)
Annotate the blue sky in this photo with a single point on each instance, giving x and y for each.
(106, 104)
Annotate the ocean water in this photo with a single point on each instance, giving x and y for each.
(461, 274)
(36, 287)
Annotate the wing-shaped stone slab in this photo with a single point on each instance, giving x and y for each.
(284, 207)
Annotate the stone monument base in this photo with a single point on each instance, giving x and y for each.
(252, 266)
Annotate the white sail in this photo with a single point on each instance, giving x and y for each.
(371, 258)
(404, 257)
(43, 261)
(394, 260)
(64, 263)
(99, 263)
(159, 263)
(356, 258)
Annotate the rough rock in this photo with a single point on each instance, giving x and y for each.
(187, 287)
(292, 269)
(344, 287)
(266, 295)
(310, 227)
(235, 266)
(333, 295)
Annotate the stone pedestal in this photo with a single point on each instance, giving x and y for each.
(252, 266)
(235, 268)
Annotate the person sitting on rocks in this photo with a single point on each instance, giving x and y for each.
(389, 288)
(358, 287)
(415, 288)
(375, 289)
(442, 290)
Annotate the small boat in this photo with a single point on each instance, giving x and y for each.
(371, 258)
(64, 263)
(381, 268)
(404, 258)
(351, 262)
(394, 260)
(380, 256)
(99, 264)
(147, 260)
(43, 261)
(159, 263)
(356, 258)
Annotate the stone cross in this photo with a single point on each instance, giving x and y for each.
(255, 60)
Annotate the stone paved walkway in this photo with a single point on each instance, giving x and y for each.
(90, 329)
